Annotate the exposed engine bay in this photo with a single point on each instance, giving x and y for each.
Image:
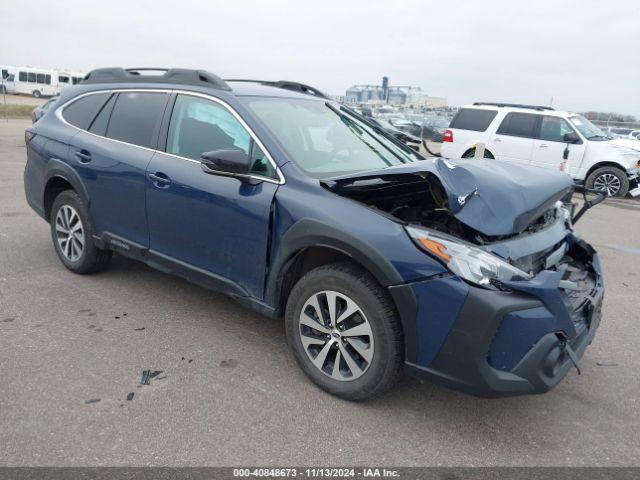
(421, 200)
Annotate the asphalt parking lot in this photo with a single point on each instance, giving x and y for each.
(230, 392)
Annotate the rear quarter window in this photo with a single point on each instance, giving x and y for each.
(82, 112)
(477, 120)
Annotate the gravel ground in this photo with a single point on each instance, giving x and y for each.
(230, 392)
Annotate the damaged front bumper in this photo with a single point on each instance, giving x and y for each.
(500, 343)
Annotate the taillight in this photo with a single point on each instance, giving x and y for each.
(448, 136)
(28, 136)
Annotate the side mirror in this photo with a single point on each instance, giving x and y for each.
(571, 137)
(227, 161)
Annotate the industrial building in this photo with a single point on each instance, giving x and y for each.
(394, 95)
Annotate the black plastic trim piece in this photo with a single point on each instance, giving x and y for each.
(178, 76)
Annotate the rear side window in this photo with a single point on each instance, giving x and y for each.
(81, 112)
(136, 117)
(22, 76)
(473, 119)
(519, 125)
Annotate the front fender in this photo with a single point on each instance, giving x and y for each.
(308, 233)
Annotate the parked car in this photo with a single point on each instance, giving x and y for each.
(546, 138)
(405, 137)
(468, 273)
(623, 132)
(40, 110)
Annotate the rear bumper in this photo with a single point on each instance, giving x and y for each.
(507, 343)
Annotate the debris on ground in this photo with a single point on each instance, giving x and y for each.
(139, 329)
(229, 363)
(130, 396)
(7, 320)
(155, 373)
(145, 377)
(605, 364)
(92, 400)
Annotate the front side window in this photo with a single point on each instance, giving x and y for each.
(554, 129)
(519, 125)
(199, 125)
(47, 79)
(136, 117)
(325, 140)
(63, 79)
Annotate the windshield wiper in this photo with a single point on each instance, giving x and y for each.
(352, 121)
(381, 131)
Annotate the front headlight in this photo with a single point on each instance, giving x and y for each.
(469, 262)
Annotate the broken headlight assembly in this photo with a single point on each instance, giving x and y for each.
(467, 261)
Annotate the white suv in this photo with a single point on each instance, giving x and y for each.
(544, 137)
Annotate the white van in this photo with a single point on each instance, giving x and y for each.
(547, 138)
(39, 82)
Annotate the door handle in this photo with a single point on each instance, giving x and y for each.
(497, 140)
(543, 145)
(160, 180)
(83, 156)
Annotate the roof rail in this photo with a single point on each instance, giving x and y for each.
(514, 105)
(181, 76)
(286, 84)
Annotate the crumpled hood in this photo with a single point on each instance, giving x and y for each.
(490, 196)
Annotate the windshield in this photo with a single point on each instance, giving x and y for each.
(588, 129)
(324, 139)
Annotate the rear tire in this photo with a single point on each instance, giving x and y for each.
(472, 152)
(369, 359)
(72, 235)
(609, 180)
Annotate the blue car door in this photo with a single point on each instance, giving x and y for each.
(213, 224)
(112, 158)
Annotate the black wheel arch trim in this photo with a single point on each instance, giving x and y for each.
(57, 168)
(309, 233)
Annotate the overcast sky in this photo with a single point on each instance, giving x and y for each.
(583, 53)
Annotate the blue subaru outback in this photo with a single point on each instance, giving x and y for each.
(466, 272)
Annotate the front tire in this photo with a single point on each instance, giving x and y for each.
(72, 235)
(344, 331)
(36, 94)
(609, 180)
